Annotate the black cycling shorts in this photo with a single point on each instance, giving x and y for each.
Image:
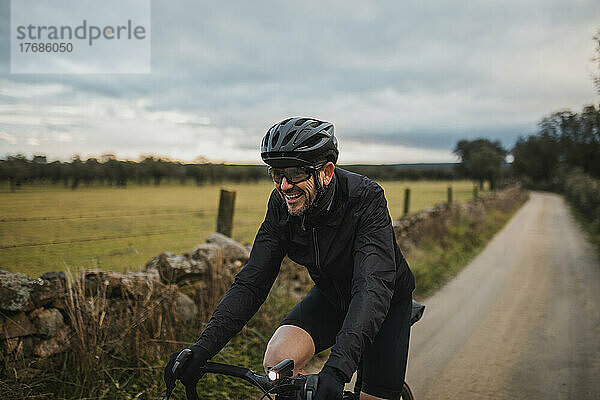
(383, 365)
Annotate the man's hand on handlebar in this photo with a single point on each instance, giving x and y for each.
(186, 366)
(331, 384)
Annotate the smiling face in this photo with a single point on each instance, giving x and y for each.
(300, 196)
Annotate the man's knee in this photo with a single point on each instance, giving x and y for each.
(291, 342)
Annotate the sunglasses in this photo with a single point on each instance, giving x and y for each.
(293, 175)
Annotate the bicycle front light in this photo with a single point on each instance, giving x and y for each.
(282, 370)
(273, 375)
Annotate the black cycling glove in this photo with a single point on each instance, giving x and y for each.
(331, 384)
(189, 373)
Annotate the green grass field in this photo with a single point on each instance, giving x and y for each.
(50, 228)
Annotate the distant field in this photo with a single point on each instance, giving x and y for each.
(49, 228)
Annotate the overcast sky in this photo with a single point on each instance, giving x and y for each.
(402, 81)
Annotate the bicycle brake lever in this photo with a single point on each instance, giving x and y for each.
(181, 358)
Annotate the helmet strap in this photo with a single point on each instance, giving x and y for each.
(323, 199)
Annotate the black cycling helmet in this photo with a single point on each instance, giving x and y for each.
(299, 141)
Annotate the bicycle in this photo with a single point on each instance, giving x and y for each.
(279, 380)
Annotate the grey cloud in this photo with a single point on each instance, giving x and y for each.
(442, 139)
(247, 67)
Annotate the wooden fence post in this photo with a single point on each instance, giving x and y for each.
(406, 200)
(225, 217)
(449, 194)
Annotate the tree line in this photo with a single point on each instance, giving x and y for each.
(565, 140)
(564, 156)
(18, 170)
(436, 172)
(108, 170)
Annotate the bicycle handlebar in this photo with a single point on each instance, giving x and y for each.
(294, 387)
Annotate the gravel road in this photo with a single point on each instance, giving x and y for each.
(521, 321)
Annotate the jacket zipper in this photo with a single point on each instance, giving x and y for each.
(339, 293)
(314, 232)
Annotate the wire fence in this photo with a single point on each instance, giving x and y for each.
(111, 233)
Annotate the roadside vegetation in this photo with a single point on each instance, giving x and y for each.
(583, 193)
(441, 256)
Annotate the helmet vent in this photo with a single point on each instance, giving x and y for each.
(274, 139)
(288, 137)
(300, 121)
(313, 141)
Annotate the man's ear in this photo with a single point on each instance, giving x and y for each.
(328, 172)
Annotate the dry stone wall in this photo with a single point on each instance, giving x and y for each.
(435, 221)
(37, 315)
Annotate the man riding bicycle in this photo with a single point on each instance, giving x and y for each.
(335, 223)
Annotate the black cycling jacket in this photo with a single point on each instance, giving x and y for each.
(350, 253)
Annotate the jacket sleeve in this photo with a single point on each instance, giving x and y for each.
(250, 287)
(372, 283)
